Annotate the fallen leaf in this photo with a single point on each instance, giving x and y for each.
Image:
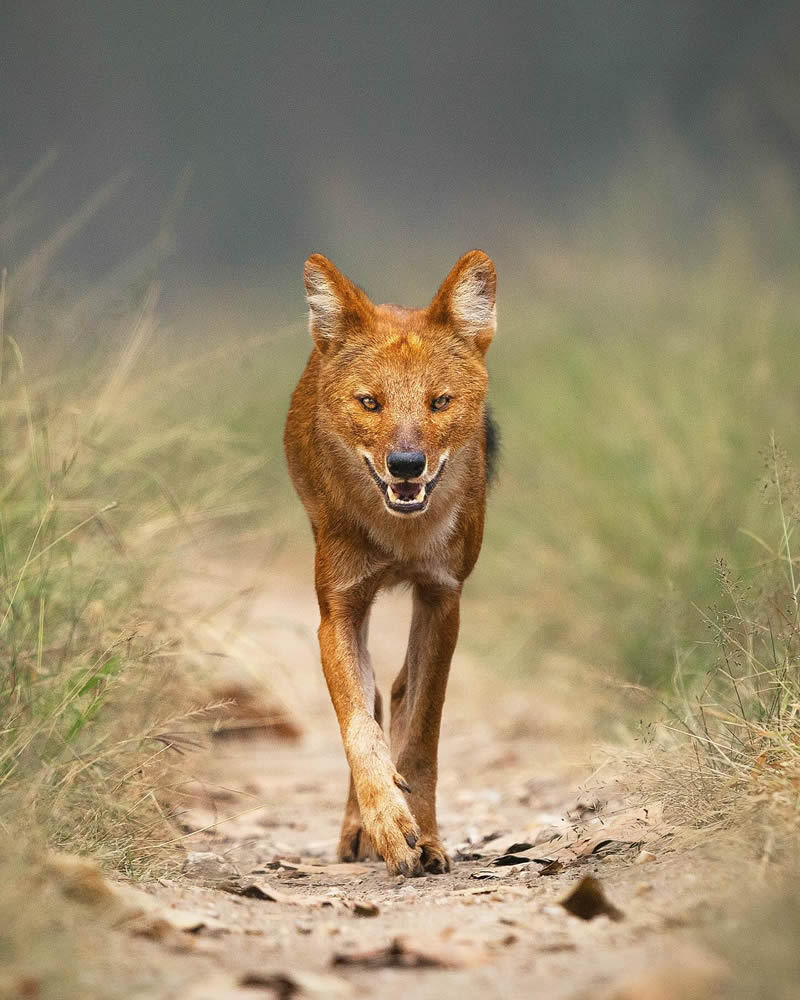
(286, 985)
(603, 847)
(511, 859)
(488, 873)
(261, 889)
(588, 900)
(497, 892)
(552, 868)
(508, 844)
(507, 860)
(598, 836)
(644, 858)
(553, 947)
(401, 954)
(333, 870)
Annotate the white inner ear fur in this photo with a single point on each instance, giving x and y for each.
(472, 304)
(324, 307)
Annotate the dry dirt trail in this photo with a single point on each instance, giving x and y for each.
(516, 768)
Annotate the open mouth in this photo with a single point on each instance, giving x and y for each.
(403, 496)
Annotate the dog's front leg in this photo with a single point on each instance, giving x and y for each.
(417, 700)
(385, 815)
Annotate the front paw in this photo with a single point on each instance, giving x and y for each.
(434, 857)
(394, 834)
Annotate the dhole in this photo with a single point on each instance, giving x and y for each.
(389, 446)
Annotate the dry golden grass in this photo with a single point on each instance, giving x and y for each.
(105, 472)
(728, 752)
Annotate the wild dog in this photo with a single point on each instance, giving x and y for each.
(390, 445)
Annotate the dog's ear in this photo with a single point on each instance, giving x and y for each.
(336, 307)
(466, 299)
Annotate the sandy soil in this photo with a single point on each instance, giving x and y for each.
(518, 762)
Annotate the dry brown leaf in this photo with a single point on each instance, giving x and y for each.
(601, 846)
(261, 889)
(600, 835)
(296, 983)
(588, 900)
(402, 954)
(552, 868)
(498, 891)
(490, 873)
(333, 870)
(508, 844)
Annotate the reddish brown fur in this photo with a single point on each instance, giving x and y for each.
(404, 359)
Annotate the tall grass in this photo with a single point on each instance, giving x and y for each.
(110, 462)
(741, 722)
(71, 632)
(102, 484)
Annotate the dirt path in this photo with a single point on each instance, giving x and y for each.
(514, 765)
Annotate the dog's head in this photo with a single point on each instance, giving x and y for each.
(402, 391)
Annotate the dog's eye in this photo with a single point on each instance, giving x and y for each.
(440, 403)
(369, 403)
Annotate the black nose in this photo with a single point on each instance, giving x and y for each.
(406, 464)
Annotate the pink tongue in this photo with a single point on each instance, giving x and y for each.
(406, 491)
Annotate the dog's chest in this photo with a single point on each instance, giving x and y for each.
(428, 556)
(426, 572)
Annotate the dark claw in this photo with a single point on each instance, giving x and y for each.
(402, 783)
(411, 840)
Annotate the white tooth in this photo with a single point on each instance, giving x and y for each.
(394, 498)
